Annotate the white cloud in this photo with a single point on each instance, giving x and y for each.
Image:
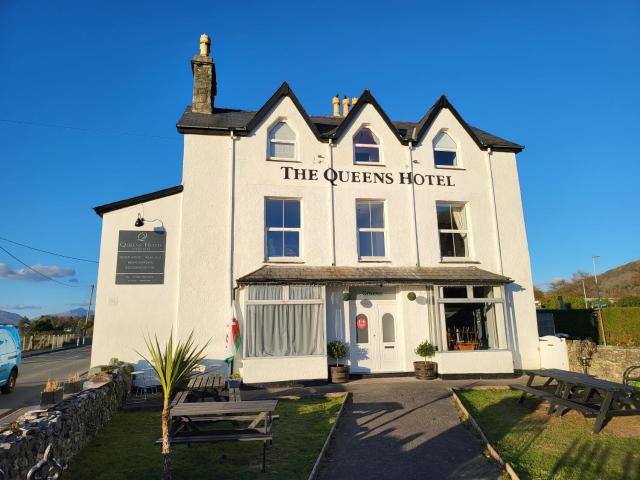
(19, 306)
(28, 275)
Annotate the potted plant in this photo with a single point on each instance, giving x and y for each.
(234, 381)
(51, 394)
(338, 350)
(424, 369)
(74, 384)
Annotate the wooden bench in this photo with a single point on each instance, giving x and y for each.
(554, 400)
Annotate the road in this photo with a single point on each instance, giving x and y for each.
(35, 372)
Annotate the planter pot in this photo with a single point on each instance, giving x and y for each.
(425, 370)
(51, 398)
(466, 346)
(339, 374)
(234, 382)
(73, 387)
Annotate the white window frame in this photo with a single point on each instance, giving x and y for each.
(282, 142)
(285, 299)
(498, 301)
(458, 164)
(467, 231)
(385, 257)
(283, 258)
(368, 145)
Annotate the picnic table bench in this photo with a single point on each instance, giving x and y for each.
(205, 384)
(189, 420)
(591, 396)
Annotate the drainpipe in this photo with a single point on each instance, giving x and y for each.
(495, 208)
(413, 202)
(232, 175)
(333, 207)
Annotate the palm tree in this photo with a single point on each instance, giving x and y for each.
(173, 365)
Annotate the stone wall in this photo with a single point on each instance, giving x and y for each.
(68, 426)
(609, 362)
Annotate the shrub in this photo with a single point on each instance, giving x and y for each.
(629, 301)
(425, 350)
(337, 350)
(411, 296)
(622, 326)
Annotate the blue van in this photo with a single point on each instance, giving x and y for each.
(10, 357)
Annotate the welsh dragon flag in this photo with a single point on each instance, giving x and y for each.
(233, 335)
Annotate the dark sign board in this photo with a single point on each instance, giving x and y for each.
(141, 257)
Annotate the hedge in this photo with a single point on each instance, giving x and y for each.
(575, 323)
(622, 326)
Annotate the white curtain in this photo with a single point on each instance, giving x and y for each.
(284, 330)
(491, 325)
(305, 292)
(458, 217)
(265, 292)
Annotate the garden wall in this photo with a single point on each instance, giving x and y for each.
(69, 426)
(608, 362)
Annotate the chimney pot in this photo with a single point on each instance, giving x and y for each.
(345, 106)
(204, 78)
(354, 100)
(336, 105)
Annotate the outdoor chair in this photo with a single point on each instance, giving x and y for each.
(631, 376)
(146, 382)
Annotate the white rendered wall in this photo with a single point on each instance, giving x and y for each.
(124, 314)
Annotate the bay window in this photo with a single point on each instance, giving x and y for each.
(471, 317)
(284, 321)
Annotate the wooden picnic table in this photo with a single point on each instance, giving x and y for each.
(189, 422)
(204, 385)
(591, 396)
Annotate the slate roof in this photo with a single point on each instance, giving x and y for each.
(222, 120)
(283, 274)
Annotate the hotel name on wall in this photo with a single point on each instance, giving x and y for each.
(335, 177)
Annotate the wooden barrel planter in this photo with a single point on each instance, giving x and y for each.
(425, 370)
(339, 374)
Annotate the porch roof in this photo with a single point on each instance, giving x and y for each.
(378, 275)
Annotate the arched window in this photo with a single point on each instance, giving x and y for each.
(282, 142)
(366, 146)
(445, 150)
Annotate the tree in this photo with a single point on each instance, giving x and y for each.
(174, 365)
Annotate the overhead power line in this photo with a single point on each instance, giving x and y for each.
(84, 130)
(48, 252)
(34, 270)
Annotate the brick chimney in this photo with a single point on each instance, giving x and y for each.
(204, 78)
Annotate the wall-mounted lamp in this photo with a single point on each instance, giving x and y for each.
(140, 221)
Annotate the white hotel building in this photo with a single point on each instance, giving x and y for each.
(353, 226)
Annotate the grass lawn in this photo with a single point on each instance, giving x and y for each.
(125, 448)
(542, 447)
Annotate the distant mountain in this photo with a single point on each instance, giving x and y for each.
(75, 312)
(615, 283)
(8, 318)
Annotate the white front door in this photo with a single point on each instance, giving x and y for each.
(374, 333)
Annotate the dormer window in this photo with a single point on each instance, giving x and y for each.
(282, 142)
(366, 147)
(445, 150)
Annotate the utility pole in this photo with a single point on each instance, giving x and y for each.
(86, 320)
(600, 317)
(584, 294)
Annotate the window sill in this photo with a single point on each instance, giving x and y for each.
(458, 260)
(284, 260)
(374, 260)
(448, 167)
(373, 164)
(288, 160)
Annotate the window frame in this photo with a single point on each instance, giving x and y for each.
(282, 142)
(467, 231)
(286, 300)
(498, 301)
(283, 258)
(367, 145)
(458, 163)
(373, 258)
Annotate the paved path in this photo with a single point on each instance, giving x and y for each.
(34, 374)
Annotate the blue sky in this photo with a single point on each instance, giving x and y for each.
(558, 77)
